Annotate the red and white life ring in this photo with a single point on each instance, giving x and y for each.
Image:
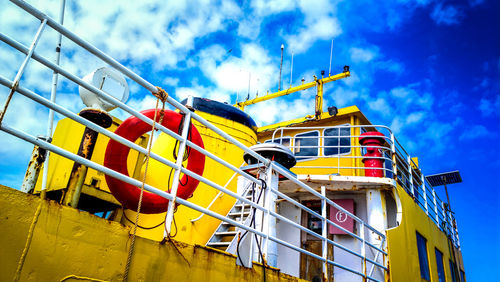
(116, 159)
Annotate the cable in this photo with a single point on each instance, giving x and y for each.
(252, 224)
(142, 227)
(175, 226)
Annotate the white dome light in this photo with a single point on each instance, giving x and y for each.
(109, 81)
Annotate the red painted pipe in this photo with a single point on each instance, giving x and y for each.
(372, 159)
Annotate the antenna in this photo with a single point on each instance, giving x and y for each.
(281, 66)
(291, 71)
(331, 53)
(257, 93)
(249, 77)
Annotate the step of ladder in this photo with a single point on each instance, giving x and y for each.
(226, 232)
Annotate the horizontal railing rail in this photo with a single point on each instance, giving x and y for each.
(397, 163)
(364, 230)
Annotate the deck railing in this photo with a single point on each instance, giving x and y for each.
(370, 255)
(397, 164)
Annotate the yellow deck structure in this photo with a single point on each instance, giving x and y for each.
(70, 245)
(299, 226)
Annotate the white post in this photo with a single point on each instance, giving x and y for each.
(324, 233)
(444, 217)
(376, 219)
(450, 224)
(394, 160)
(425, 194)
(363, 247)
(175, 183)
(410, 175)
(435, 205)
(265, 222)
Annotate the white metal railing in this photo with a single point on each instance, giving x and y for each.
(355, 153)
(397, 164)
(375, 261)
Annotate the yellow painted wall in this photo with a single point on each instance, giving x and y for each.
(344, 161)
(200, 231)
(68, 135)
(402, 243)
(69, 242)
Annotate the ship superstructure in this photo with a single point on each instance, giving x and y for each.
(326, 197)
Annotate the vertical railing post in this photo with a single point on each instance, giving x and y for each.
(324, 233)
(270, 248)
(20, 72)
(451, 226)
(424, 190)
(444, 218)
(455, 227)
(178, 163)
(435, 205)
(410, 176)
(394, 160)
(53, 93)
(338, 150)
(363, 248)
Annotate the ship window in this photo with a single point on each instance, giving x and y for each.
(422, 257)
(440, 266)
(285, 141)
(334, 142)
(453, 272)
(306, 145)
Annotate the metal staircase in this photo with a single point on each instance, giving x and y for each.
(225, 236)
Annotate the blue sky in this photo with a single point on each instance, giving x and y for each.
(428, 69)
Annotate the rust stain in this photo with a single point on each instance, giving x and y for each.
(87, 142)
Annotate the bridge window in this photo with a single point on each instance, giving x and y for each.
(335, 142)
(422, 257)
(306, 145)
(440, 266)
(285, 141)
(453, 272)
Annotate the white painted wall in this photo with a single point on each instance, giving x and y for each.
(288, 259)
(342, 257)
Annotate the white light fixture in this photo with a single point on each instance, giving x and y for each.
(109, 81)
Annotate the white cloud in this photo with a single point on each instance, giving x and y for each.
(343, 97)
(275, 110)
(415, 117)
(22, 114)
(400, 92)
(232, 74)
(171, 81)
(321, 28)
(396, 125)
(489, 107)
(448, 15)
(362, 55)
(263, 7)
(486, 107)
(475, 132)
(391, 66)
(380, 105)
(319, 23)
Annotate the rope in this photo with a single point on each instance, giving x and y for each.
(28, 242)
(162, 96)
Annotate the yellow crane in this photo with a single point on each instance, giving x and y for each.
(319, 91)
